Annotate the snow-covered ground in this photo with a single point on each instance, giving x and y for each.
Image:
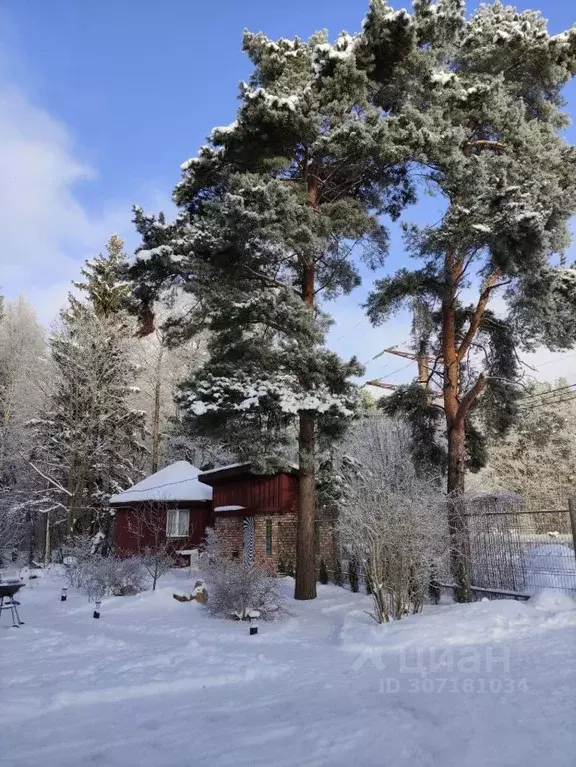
(157, 683)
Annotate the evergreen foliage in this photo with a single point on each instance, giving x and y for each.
(89, 439)
(274, 212)
(328, 138)
(482, 114)
(103, 285)
(482, 118)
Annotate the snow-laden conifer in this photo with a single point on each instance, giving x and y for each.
(478, 99)
(89, 438)
(274, 212)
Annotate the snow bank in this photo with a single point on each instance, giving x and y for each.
(552, 600)
(452, 625)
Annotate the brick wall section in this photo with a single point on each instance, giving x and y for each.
(284, 529)
(260, 556)
(287, 527)
(230, 534)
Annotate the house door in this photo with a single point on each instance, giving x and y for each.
(249, 540)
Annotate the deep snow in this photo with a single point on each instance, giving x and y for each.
(159, 683)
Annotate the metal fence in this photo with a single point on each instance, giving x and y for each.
(514, 552)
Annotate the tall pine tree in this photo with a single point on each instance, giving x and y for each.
(274, 212)
(89, 439)
(480, 102)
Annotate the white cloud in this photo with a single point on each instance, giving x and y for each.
(46, 230)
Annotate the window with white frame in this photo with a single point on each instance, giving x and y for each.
(177, 523)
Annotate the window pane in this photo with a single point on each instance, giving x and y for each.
(171, 522)
(177, 523)
(183, 523)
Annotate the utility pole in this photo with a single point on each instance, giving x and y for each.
(421, 359)
(381, 384)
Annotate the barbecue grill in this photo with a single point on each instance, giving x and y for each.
(7, 601)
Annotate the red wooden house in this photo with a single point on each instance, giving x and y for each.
(255, 515)
(169, 505)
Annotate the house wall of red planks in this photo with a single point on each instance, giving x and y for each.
(258, 494)
(142, 525)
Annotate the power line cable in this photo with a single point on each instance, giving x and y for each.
(551, 362)
(546, 402)
(400, 369)
(539, 395)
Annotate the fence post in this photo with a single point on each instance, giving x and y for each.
(572, 510)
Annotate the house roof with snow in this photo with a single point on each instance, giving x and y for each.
(177, 482)
(214, 476)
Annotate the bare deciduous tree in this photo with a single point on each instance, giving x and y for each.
(147, 525)
(161, 367)
(391, 520)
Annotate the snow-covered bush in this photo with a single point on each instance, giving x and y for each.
(96, 576)
(391, 520)
(237, 588)
(116, 577)
(75, 555)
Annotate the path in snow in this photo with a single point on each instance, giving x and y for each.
(158, 683)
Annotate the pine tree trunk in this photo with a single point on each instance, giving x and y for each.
(457, 523)
(455, 423)
(305, 557)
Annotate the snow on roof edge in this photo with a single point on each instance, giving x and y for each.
(289, 464)
(223, 468)
(180, 474)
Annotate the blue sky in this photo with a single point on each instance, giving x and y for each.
(101, 102)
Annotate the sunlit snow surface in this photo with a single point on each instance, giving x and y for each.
(159, 683)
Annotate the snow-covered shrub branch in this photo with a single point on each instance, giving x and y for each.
(97, 576)
(391, 520)
(237, 588)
